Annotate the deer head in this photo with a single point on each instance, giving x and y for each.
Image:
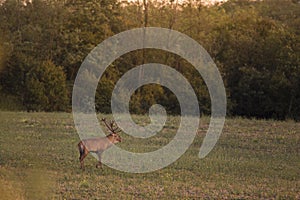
(114, 130)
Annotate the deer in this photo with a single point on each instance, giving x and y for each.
(99, 144)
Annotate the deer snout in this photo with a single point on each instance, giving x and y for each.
(119, 139)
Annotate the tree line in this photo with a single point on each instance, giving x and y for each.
(255, 45)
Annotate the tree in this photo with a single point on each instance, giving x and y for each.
(45, 88)
(89, 23)
(259, 55)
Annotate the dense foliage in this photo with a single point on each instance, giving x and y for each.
(255, 44)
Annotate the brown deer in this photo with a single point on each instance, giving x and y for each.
(99, 144)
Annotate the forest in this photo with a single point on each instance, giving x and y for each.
(255, 45)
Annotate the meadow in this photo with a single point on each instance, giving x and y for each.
(253, 159)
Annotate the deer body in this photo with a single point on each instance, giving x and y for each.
(98, 144)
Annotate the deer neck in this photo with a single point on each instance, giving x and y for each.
(110, 138)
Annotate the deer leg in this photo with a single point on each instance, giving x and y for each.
(99, 164)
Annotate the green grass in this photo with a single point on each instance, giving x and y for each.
(254, 159)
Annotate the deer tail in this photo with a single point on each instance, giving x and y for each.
(81, 149)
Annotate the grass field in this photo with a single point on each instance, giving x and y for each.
(254, 159)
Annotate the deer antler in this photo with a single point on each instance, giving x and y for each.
(111, 126)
